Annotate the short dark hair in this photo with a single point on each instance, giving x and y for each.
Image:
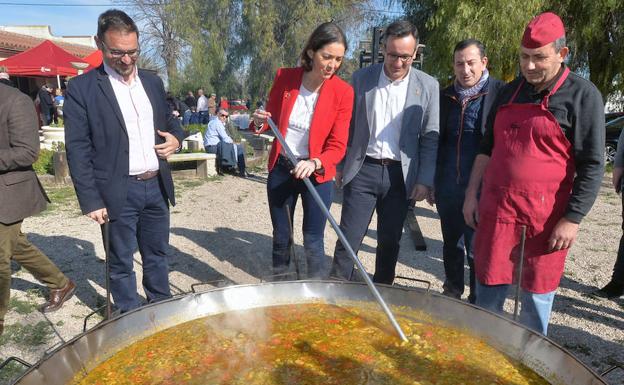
(116, 20)
(326, 33)
(470, 42)
(400, 28)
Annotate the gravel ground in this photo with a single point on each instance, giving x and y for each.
(221, 229)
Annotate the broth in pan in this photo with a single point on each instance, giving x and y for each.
(310, 344)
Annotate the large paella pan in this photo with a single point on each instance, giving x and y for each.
(309, 332)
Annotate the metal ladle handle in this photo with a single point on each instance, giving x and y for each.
(341, 236)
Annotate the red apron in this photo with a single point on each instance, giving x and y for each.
(528, 181)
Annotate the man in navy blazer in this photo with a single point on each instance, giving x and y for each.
(119, 133)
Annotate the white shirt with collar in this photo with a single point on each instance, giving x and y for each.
(138, 116)
(386, 117)
(202, 103)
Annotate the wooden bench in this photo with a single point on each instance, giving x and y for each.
(205, 162)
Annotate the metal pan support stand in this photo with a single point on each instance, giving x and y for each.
(341, 236)
(519, 274)
(106, 236)
(291, 241)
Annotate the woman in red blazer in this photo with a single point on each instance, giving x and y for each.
(312, 108)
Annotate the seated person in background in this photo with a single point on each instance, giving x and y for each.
(179, 109)
(216, 135)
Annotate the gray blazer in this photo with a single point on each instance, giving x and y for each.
(21, 194)
(419, 132)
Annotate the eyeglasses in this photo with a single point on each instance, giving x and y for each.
(403, 58)
(224, 116)
(118, 54)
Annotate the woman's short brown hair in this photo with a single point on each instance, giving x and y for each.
(326, 33)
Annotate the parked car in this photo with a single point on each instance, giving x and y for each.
(237, 105)
(609, 116)
(613, 128)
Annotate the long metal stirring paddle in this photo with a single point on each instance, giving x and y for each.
(519, 273)
(341, 236)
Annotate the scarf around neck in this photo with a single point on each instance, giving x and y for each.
(464, 93)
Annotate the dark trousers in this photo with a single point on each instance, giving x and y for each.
(457, 239)
(47, 115)
(143, 223)
(203, 117)
(375, 187)
(618, 269)
(283, 190)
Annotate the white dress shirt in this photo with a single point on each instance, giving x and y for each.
(386, 117)
(138, 116)
(298, 133)
(202, 103)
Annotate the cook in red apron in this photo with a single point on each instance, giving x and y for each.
(528, 181)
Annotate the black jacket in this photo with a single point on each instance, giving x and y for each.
(45, 99)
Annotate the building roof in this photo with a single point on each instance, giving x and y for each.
(16, 42)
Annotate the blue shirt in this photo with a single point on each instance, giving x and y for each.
(215, 132)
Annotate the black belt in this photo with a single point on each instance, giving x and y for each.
(283, 161)
(384, 161)
(147, 175)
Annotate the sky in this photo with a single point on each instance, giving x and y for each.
(65, 17)
(77, 17)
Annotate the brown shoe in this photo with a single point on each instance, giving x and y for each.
(58, 297)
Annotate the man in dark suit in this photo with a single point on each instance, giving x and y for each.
(391, 154)
(46, 104)
(21, 196)
(119, 132)
(464, 107)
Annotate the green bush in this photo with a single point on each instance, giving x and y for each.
(233, 132)
(44, 164)
(193, 128)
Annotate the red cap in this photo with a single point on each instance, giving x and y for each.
(543, 30)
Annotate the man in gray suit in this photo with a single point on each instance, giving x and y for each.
(21, 196)
(392, 149)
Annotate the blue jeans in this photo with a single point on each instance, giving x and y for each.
(535, 308)
(283, 190)
(186, 117)
(194, 119)
(143, 223)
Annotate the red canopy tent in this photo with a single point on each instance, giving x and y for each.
(95, 59)
(47, 59)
